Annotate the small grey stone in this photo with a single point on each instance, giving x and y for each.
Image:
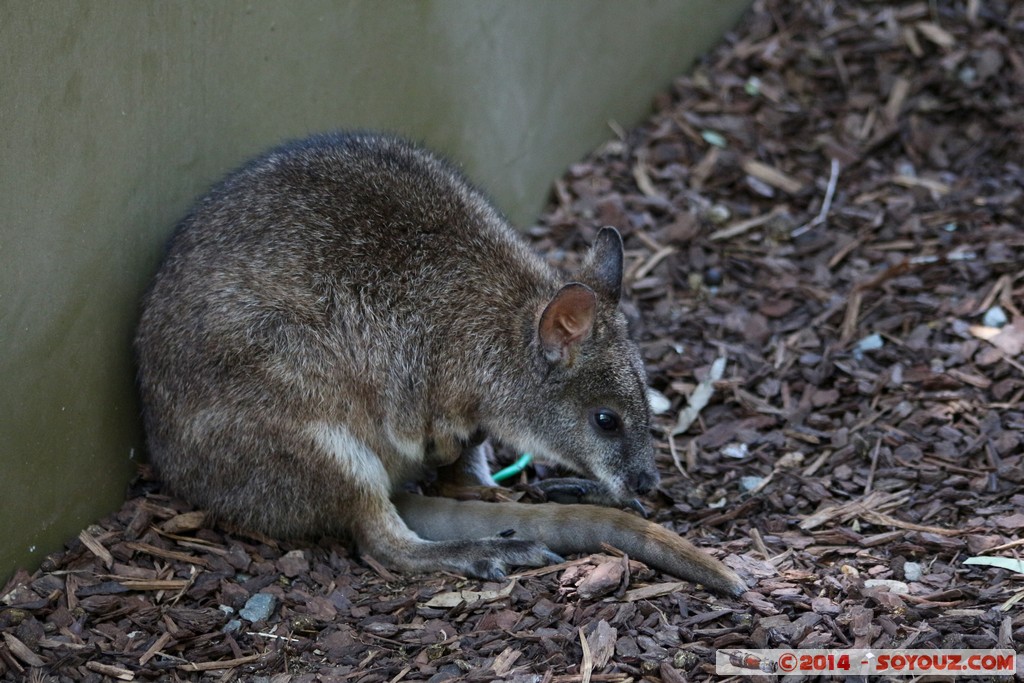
(685, 660)
(912, 571)
(526, 678)
(448, 672)
(259, 607)
(233, 626)
(626, 647)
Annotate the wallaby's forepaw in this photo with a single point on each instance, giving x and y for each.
(569, 490)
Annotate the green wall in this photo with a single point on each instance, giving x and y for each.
(116, 114)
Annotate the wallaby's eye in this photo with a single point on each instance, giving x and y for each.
(606, 421)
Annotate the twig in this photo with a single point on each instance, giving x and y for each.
(273, 636)
(223, 664)
(826, 205)
(818, 462)
(160, 643)
(1004, 546)
(172, 555)
(549, 569)
(675, 454)
(381, 570)
(649, 241)
(850, 318)
(749, 224)
(654, 260)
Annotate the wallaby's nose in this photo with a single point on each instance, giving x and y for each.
(642, 482)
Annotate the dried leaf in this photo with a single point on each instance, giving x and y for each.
(1011, 563)
(469, 597)
(700, 397)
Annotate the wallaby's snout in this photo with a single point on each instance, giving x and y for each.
(642, 483)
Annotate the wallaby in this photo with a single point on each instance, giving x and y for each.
(347, 313)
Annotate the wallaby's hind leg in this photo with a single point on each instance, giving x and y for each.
(379, 530)
(387, 538)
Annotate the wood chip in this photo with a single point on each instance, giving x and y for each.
(936, 34)
(21, 651)
(96, 548)
(115, 672)
(772, 176)
(587, 663)
(503, 662)
(654, 591)
(185, 522)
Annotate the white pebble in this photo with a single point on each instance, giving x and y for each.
(912, 571)
(736, 450)
(995, 317)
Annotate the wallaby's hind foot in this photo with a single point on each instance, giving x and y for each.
(488, 557)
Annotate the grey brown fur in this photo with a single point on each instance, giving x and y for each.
(345, 314)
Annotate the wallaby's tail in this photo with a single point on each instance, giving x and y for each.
(568, 529)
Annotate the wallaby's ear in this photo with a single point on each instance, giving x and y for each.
(566, 321)
(602, 266)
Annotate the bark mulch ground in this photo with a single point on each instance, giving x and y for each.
(831, 203)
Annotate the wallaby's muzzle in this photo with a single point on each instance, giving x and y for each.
(642, 483)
